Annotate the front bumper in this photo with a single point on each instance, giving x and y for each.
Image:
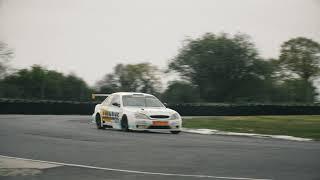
(173, 125)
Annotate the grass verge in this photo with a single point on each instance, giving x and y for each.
(299, 126)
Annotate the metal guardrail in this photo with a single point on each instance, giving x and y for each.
(27, 106)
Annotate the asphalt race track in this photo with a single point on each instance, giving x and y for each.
(87, 153)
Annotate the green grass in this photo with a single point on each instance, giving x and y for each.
(298, 126)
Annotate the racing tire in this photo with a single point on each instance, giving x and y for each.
(124, 124)
(175, 132)
(98, 122)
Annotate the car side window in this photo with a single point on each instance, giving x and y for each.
(107, 101)
(115, 100)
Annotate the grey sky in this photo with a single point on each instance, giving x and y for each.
(89, 37)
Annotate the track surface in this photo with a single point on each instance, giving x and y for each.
(72, 139)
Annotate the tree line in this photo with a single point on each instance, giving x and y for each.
(211, 68)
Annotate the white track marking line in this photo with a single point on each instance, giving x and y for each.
(226, 133)
(132, 171)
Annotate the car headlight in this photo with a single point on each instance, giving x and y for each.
(140, 116)
(174, 116)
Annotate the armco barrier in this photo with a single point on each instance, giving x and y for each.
(245, 110)
(9, 106)
(45, 107)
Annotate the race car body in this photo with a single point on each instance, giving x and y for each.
(135, 111)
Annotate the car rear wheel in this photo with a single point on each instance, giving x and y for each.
(175, 132)
(98, 122)
(124, 124)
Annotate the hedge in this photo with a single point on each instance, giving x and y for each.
(18, 106)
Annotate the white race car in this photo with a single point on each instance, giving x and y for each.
(135, 111)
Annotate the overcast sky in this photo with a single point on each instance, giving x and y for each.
(89, 37)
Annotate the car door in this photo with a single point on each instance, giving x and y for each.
(114, 110)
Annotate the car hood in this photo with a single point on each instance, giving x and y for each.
(150, 111)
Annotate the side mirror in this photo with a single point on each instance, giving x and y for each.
(116, 104)
(165, 104)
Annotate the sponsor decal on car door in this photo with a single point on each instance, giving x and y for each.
(105, 115)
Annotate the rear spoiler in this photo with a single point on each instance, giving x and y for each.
(99, 95)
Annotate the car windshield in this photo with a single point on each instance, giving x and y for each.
(141, 101)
